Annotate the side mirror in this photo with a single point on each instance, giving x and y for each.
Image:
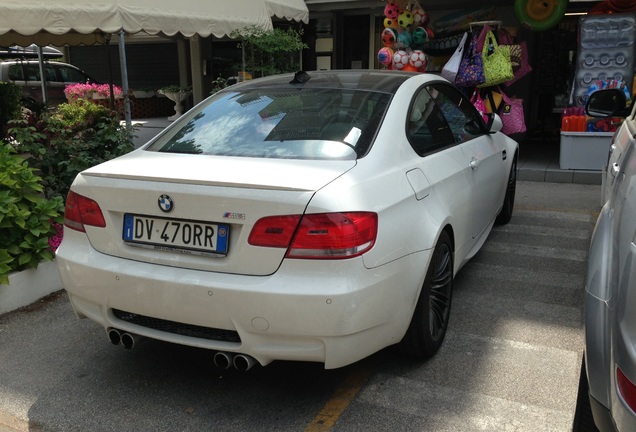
(494, 123)
(607, 103)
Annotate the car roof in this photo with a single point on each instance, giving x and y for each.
(384, 81)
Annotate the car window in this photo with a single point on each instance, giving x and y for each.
(428, 131)
(306, 123)
(461, 115)
(71, 75)
(16, 73)
(49, 73)
(32, 72)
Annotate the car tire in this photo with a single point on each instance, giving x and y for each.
(505, 214)
(430, 319)
(583, 418)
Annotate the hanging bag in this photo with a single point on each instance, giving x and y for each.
(449, 71)
(471, 68)
(479, 103)
(496, 62)
(512, 115)
(505, 38)
(524, 64)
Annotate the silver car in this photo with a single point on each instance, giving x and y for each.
(610, 294)
(26, 74)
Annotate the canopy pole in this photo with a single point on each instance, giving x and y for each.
(42, 76)
(124, 77)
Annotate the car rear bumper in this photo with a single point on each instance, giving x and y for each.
(299, 313)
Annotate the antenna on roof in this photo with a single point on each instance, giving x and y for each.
(301, 77)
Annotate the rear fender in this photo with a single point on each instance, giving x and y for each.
(598, 309)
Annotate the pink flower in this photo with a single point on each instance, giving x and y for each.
(56, 239)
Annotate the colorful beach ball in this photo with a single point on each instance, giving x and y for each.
(385, 56)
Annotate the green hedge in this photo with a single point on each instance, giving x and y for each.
(26, 217)
(10, 100)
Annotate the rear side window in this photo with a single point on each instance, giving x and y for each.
(16, 73)
(307, 123)
(428, 130)
(32, 72)
(49, 72)
(71, 75)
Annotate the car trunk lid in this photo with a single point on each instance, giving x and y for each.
(210, 195)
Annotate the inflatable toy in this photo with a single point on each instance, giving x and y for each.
(420, 17)
(406, 36)
(385, 56)
(540, 15)
(404, 40)
(391, 23)
(392, 10)
(418, 59)
(400, 59)
(389, 36)
(405, 20)
(419, 36)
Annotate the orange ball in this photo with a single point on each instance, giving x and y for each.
(409, 68)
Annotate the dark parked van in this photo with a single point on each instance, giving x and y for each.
(26, 74)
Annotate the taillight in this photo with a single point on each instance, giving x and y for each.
(81, 211)
(626, 388)
(274, 231)
(318, 236)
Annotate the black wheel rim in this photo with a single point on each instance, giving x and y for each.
(440, 295)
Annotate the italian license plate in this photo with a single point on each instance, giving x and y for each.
(184, 236)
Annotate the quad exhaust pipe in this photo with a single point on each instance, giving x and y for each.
(241, 362)
(222, 360)
(127, 340)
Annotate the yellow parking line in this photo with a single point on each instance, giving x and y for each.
(341, 398)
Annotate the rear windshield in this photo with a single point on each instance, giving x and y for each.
(307, 123)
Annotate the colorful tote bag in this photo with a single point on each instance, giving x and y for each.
(479, 103)
(512, 116)
(471, 68)
(496, 62)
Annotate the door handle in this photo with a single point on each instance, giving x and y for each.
(616, 168)
(474, 163)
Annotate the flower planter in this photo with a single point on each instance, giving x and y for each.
(28, 286)
(139, 94)
(177, 97)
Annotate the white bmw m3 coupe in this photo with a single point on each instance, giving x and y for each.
(317, 216)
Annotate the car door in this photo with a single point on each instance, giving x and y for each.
(484, 156)
(441, 168)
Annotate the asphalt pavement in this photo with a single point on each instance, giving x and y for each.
(510, 361)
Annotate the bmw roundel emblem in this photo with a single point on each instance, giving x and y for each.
(165, 203)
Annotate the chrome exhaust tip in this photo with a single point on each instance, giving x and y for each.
(223, 360)
(114, 336)
(244, 362)
(129, 340)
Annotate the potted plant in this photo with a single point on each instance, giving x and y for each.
(102, 91)
(176, 94)
(79, 91)
(143, 92)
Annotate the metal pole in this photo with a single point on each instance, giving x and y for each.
(42, 76)
(124, 77)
